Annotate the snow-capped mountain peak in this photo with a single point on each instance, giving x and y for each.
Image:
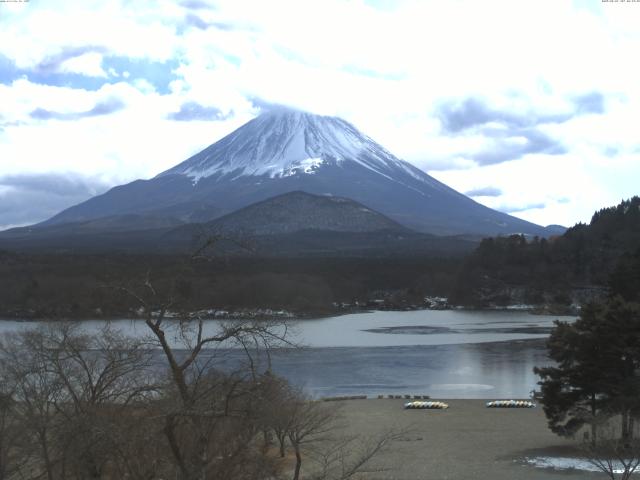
(285, 142)
(286, 150)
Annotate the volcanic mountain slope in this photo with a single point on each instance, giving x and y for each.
(302, 224)
(295, 224)
(296, 211)
(287, 150)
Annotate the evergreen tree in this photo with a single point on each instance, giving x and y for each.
(625, 279)
(598, 369)
(584, 256)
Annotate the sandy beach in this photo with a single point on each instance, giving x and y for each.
(467, 441)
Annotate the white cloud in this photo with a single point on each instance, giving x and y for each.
(89, 64)
(551, 181)
(386, 70)
(31, 34)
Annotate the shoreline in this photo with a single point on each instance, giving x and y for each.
(537, 310)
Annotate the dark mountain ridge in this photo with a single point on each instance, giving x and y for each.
(293, 224)
(295, 211)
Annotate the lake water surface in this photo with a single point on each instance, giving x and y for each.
(444, 354)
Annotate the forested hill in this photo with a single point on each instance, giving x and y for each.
(571, 268)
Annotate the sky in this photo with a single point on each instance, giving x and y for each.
(529, 107)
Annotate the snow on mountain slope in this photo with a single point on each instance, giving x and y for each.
(286, 142)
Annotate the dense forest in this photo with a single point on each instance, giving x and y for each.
(559, 271)
(552, 274)
(87, 286)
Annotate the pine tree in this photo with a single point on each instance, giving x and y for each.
(598, 369)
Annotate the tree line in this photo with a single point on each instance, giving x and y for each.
(559, 270)
(82, 286)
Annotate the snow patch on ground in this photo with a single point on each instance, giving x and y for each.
(568, 463)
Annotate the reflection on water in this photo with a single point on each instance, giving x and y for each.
(444, 354)
(500, 370)
(483, 370)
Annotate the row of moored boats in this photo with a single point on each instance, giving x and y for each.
(492, 404)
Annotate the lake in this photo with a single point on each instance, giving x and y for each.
(444, 354)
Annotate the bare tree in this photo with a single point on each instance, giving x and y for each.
(345, 457)
(277, 403)
(90, 407)
(212, 415)
(315, 430)
(11, 436)
(67, 387)
(201, 404)
(35, 393)
(102, 375)
(310, 422)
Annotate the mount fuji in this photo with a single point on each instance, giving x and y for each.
(286, 150)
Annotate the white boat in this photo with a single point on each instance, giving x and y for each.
(510, 404)
(426, 405)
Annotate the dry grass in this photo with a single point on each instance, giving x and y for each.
(467, 441)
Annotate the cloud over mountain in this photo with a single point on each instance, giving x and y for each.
(445, 102)
(484, 192)
(190, 111)
(30, 198)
